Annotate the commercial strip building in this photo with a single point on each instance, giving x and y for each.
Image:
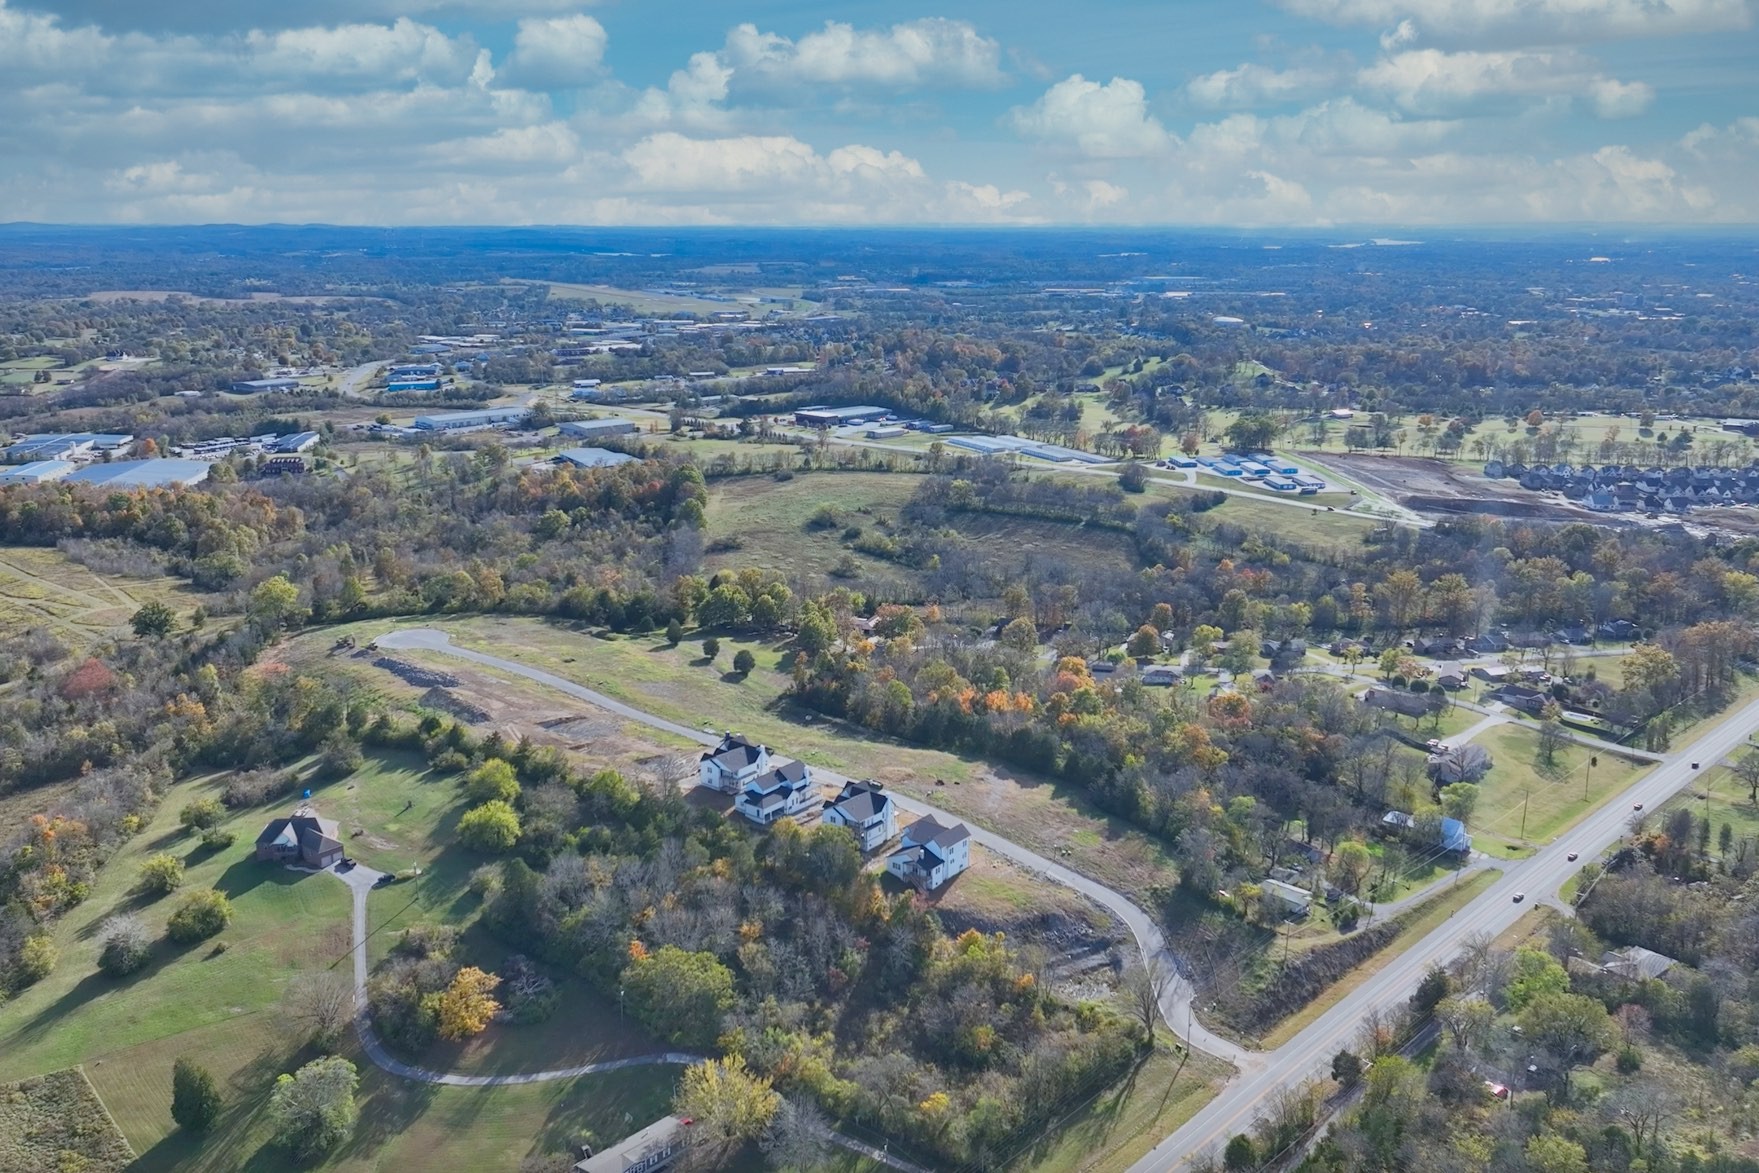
(457, 421)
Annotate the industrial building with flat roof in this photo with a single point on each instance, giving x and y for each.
(397, 385)
(593, 457)
(142, 474)
(832, 417)
(254, 386)
(1000, 445)
(62, 446)
(37, 472)
(598, 429)
(453, 421)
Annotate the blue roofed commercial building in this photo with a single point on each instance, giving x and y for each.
(400, 385)
(142, 474)
(458, 421)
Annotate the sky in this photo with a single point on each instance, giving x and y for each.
(1255, 113)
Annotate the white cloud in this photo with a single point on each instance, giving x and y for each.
(1109, 121)
(237, 16)
(1430, 80)
(1252, 84)
(561, 52)
(1533, 22)
(918, 54)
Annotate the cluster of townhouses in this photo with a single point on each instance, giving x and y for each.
(929, 853)
(1628, 488)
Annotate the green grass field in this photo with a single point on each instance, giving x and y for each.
(1553, 795)
(1119, 1126)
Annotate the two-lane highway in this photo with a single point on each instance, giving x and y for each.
(1309, 1053)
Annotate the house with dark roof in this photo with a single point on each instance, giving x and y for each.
(868, 812)
(931, 854)
(1407, 704)
(776, 793)
(1638, 963)
(301, 838)
(732, 763)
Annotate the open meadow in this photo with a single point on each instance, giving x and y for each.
(43, 589)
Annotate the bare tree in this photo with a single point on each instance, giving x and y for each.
(321, 1004)
(798, 1137)
(1747, 770)
(1146, 983)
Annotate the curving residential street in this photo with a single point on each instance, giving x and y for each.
(1176, 1007)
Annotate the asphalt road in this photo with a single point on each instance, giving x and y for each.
(1538, 876)
(1176, 1007)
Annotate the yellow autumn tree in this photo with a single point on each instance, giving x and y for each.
(729, 1103)
(466, 1006)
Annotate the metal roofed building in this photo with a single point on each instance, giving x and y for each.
(594, 457)
(832, 417)
(598, 429)
(256, 386)
(37, 472)
(453, 421)
(142, 474)
(651, 1149)
(297, 442)
(62, 446)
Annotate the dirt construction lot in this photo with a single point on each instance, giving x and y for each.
(1435, 486)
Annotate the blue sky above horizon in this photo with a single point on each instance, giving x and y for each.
(1228, 112)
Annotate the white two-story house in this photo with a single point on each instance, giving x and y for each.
(731, 764)
(777, 793)
(867, 811)
(931, 854)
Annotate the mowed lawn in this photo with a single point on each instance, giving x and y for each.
(682, 685)
(1556, 797)
(284, 922)
(403, 1124)
(221, 1008)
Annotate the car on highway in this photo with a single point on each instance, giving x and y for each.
(1694, 765)
(1572, 856)
(1636, 806)
(1520, 896)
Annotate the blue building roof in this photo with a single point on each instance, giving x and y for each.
(1454, 837)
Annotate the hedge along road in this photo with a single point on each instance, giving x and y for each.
(1175, 1001)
